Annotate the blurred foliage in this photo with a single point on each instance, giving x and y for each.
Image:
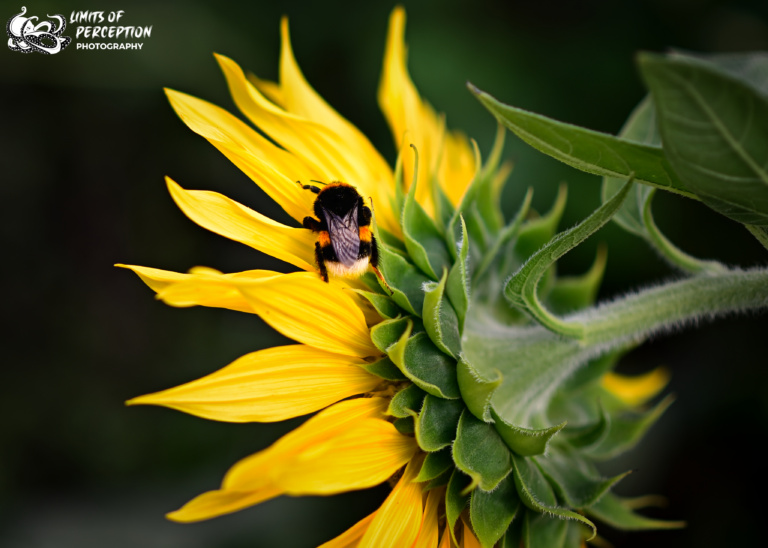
(88, 137)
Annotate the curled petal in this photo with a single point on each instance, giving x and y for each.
(269, 385)
(258, 477)
(232, 220)
(275, 170)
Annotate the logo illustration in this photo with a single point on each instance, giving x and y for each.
(25, 36)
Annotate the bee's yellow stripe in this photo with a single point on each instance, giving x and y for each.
(324, 238)
(365, 234)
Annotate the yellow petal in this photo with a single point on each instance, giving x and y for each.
(457, 166)
(636, 390)
(327, 155)
(232, 220)
(250, 481)
(303, 307)
(429, 532)
(275, 170)
(269, 89)
(217, 503)
(351, 537)
(398, 520)
(469, 540)
(365, 454)
(269, 385)
(299, 98)
(255, 470)
(445, 540)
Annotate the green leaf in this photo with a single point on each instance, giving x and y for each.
(480, 452)
(423, 239)
(590, 151)
(437, 422)
(575, 481)
(385, 369)
(625, 431)
(521, 288)
(440, 319)
(440, 480)
(615, 512)
(385, 334)
(715, 134)
(476, 391)
(405, 280)
(407, 402)
(385, 306)
(537, 494)
(420, 360)
(759, 232)
(456, 499)
(457, 286)
(750, 67)
(543, 531)
(525, 441)
(491, 513)
(435, 464)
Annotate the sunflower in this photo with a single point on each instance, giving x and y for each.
(391, 374)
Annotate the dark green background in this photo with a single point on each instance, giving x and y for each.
(87, 137)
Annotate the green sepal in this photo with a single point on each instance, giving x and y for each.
(543, 531)
(385, 369)
(440, 318)
(404, 279)
(572, 293)
(464, 209)
(615, 511)
(405, 426)
(589, 435)
(440, 480)
(625, 431)
(385, 306)
(760, 233)
(422, 238)
(435, 464)
(514, 535)
(713, 129)
(488, 197)
(480, 452)
(535, 233)
(475, 390)
(491, 513)
(421, 361)
(521, 289)
(406, 402)
(525, 442)
(575, 481)
(444, 209)
(387, 333)
(456, 499)
(537, 494)
(437, 423)
(457, 286)
(587, 150)
(505, 236)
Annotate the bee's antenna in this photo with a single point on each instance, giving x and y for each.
(318, 182)
(314, 189)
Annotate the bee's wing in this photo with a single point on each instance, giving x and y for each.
(345, 237)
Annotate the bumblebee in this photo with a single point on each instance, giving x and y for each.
(345, 245)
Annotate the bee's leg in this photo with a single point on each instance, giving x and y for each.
(374, 262)
(312, 224)
(313, 188)
(320, 261)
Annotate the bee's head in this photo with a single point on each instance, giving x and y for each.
(338, 197)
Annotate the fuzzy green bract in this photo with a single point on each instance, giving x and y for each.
(501, 362)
